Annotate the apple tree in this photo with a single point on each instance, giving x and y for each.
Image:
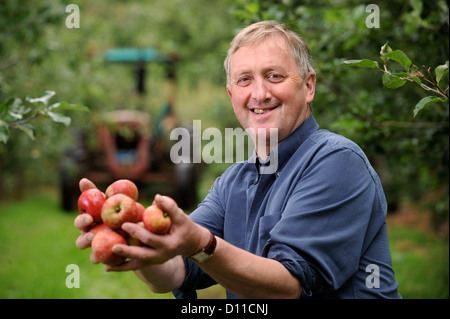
(423, 77)
(15, 114)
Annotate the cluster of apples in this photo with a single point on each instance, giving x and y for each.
(119, 204)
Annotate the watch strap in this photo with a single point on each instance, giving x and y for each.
(207, 250)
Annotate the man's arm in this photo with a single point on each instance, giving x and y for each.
(165, 277)
(242, 273)
(250, 276)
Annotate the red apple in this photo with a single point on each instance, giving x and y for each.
(102, 245)
(140, 210)
(132, 241)
(91, 202)
(123, 186)
(156, 221)
(98, 228)
(117, 210)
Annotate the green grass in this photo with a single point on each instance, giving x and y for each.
(421, 261)
(37, 242)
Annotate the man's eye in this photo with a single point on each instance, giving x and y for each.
(275, 77)
(244, 80)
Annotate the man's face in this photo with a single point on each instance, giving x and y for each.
(266, 90)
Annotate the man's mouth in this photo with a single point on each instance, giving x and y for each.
(262, 111)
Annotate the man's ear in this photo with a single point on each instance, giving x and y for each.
(310, 84)
(229, 91)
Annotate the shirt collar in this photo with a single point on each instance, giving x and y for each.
(282, 152)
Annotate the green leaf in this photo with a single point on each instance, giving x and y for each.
(43, 99)
(16, 115)
(427, 101)
(391, 81)
(416, 79)
(400, 57)
(364, 63)
(4, 132)
(384, 50)
(56, 117)
(17, 107)
(253, 8)
(72, 107)
(6, 106)
(440, 71)
(3, 110)
(27, 129)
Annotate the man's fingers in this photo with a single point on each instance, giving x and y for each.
(84, 240)
(132, 264)
(135, 252)
(139, 232)
(86, 184)
(92, 258)
(83, 222)
(168, 205)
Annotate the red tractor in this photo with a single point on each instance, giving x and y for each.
(132, 145)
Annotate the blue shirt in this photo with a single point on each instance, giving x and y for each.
(321, 214)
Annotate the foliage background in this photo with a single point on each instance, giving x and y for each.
(38, 53)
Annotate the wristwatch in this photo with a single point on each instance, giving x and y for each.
(207, 252)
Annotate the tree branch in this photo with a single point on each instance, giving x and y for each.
(23, 121)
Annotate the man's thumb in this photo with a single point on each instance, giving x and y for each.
(167, 204)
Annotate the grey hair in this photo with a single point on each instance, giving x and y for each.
(259, 31)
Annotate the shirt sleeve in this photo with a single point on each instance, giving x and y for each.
(209, 214)
(320, 235)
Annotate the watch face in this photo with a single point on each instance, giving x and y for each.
(201, 257)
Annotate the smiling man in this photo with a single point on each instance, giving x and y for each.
(267, 86)
(315, 227)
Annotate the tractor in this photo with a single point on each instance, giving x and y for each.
(132, 145)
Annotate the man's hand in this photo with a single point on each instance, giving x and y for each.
(84, 222)
(184, 238)
(86, 184)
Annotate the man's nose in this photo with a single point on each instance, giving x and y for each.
(260, 92)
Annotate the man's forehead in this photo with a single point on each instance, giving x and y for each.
(271, 40)
(279, 49)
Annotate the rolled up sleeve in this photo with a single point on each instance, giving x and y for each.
(320, 235)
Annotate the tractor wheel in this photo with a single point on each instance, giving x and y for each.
(186, 185)
(68, 189)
